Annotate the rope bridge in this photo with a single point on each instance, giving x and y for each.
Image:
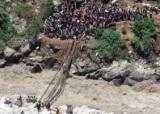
(53, 91)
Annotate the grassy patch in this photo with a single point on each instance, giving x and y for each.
(22, 9)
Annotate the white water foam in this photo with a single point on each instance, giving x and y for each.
(30, 109)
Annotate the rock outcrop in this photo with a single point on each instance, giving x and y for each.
(8, 52)
(2, 63)
(83, 70)
(123, 72)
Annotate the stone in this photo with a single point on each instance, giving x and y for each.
(123, 72)
(94, 75)
(2, 63)
(7, 101)
(155, 77)
(117, 69)
(25, 49)
(118, 81)
(8, 0)
(22, 112)
(129, 82)
(36, 59)
(14, 58)
(1, 54)
(137, 76)
(94, 57)
(36, 68)
(56, 66)
(49, 63)
(18, 103)
(92, 67)
(8, 52)
(73, 69)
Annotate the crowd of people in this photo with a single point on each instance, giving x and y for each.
(69, 21)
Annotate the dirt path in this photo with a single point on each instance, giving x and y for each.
(141, 99)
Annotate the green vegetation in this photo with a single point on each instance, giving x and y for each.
(2, 4)
(48, 6)
(22, 9)
(110, 45)
(33, 29)
(36, 24)
(6, 29)
(155, 1)
(145, 30)
(98, 32)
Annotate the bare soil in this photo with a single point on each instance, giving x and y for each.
(143, 98)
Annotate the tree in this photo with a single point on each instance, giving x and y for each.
(109, 44)
(145, 30)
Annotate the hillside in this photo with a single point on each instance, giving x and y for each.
(79, 57)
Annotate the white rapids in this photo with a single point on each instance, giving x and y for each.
(30, 109)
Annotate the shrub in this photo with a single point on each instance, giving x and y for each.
(98, 32)
(7, 30)
(109, 44)
(36, 24)
(22, 9)
(33, 29)
(2, 3)
(145, 30)
(124, 55)
(155, 1)
(48, 7)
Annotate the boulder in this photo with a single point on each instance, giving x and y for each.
(156, 76)
(73, 69)
(16, 57)
(56, 66)
(137, 76)
(1, 54)
(118, 81)
(25, 49)
(92, 67)
(36, 68)
(123, 72)
(94, 57)
(142, 71)
(2, 63)
(116, 70)
(18, 103)
(7, 101)
(129, 82)
(49, 63)
(109, 76)
(8, 52)
(95, 75)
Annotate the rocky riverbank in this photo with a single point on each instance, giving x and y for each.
(79, 91)
(119, 72)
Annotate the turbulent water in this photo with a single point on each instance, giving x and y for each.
(30, 109)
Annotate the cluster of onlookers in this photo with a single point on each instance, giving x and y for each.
(68, 21)
(31, 99)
